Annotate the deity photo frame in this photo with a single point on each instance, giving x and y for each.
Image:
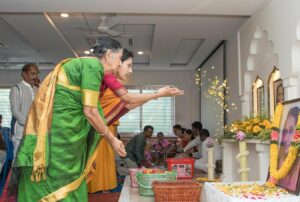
(291, 181)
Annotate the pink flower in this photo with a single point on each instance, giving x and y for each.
(272, 180)
(240, 136)
(297, 135)
(274, 135)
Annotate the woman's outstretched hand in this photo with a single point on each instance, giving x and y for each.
(169, 91)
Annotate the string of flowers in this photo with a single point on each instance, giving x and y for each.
(275, 174)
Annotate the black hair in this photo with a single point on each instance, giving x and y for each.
(103, 44)
(27, 66)
(126, 54)
(1, 116)
(148, 127)
(177, 126)
(189, 131)
(160, 133)
(204, 132)
(197, 125)
(183, 130)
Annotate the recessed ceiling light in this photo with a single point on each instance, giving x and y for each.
(140, 52)
(64, 15)
(87, 52)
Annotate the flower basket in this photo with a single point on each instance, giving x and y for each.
(177, 191)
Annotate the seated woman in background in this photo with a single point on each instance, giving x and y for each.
(160, 147)
(161, 144)
(187, 137)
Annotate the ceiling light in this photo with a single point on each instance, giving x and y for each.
(87, 52)
(140, 52)
(64, 15)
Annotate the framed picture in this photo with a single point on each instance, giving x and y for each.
(260, 100)
(289, 120)
(278, 91)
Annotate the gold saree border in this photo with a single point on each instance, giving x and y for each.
(62, 192)
(90, 97)
(115, 111)
(62, 79)
(39, 120)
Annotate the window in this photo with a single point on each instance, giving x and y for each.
(158, 113)
(5, 107)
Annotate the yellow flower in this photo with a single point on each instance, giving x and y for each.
(256, 129)
(248, 129)
(256, 120)
(267, 124)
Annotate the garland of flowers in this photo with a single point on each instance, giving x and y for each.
(276, 175)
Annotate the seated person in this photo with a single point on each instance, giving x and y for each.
(147, 155)
(187, 137)
(196, 142)
(160, 147)
(180, 143)
(161, 144)
(205, 139)
(135, 151)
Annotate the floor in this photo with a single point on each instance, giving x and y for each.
(107, 197)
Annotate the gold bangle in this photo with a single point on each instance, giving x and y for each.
(107, 130)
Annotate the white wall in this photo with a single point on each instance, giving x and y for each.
(211, 112)
(186, 106)
(232, 75)
(268, 39)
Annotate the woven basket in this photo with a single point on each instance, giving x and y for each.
(145, 181)
(183, 191)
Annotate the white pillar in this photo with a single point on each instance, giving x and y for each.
(290, 88)
(263, 153)
(228, 161)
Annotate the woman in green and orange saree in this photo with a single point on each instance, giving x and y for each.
(64, 127)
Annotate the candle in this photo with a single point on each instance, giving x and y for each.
(243, 161)
(210, 163)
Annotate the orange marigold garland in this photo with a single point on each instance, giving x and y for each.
(275, 174)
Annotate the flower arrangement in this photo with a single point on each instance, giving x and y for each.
(258, 127)
(251, 191)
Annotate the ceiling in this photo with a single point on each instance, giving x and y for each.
(173, 35)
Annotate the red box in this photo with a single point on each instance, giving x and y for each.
(184, 167)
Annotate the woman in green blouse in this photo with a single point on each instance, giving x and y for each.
(64, 126)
